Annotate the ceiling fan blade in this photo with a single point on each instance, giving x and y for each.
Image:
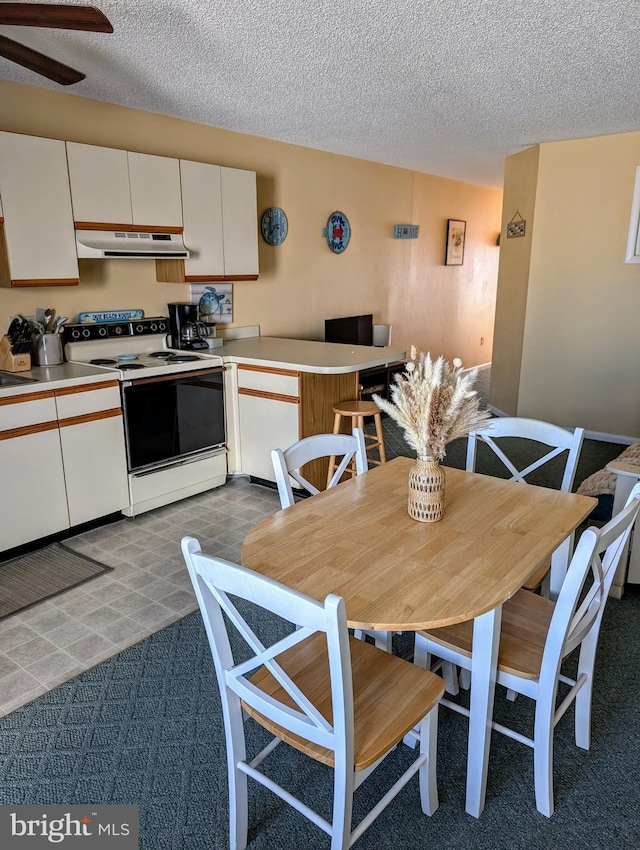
(86, 18)
(38, 62)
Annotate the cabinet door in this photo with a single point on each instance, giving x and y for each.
(265, 424)
(93, 451)
(155, 190)
(95, 467)
(202, 219)
(268, 414)
(34, 502)
(38, 223)
(239, 222)
(99, 179)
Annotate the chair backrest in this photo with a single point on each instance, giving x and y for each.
(214, 581)
(579, 608)
(287, 463)
(556, 438)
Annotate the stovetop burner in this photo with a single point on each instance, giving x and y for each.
(102, 361)
(160, 355)
(182, 358)
(127, 366)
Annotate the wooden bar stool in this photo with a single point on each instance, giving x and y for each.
(357, 411)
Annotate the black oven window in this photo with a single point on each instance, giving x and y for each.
(172, 418)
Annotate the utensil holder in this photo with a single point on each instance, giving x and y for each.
(12, 362)
(47, 350)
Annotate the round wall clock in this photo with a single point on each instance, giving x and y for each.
(338, 232)
(274, 226)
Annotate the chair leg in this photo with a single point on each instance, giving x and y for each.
(450, 676)
(236, 752)
(382, 640)
(543, 757)
(427, 772)
(343, 784)
(583, 697)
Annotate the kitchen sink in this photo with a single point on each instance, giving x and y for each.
(11, 379)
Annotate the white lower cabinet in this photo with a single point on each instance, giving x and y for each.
(95, 468)
(269, 416)
(34, 500)
(93, 451)
(62, 461)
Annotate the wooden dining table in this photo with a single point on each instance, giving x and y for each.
(396, 574)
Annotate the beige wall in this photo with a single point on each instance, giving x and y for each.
(521, 174)
(443, 309)
(581, 346)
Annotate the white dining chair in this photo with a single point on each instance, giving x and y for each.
(287, 464)
(537, 635)
(316, 689)
(498, 436)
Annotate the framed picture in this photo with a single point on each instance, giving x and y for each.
(456, 231)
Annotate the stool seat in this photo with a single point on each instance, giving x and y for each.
(357, 411)
(357, 408)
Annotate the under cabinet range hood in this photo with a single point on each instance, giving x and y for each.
(107, 244)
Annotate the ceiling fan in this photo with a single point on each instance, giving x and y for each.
(48, 15)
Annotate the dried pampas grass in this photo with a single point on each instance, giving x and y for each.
(434, 402)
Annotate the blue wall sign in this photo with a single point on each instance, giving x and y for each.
(406, 231)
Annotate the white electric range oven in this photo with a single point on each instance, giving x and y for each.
(173, 408)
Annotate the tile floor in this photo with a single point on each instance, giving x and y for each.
(148, 588)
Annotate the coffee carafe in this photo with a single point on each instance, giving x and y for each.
(186, 332)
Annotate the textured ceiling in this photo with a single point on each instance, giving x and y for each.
(444, 87)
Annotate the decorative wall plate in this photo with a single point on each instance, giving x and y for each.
(274, 226)
(338, 232)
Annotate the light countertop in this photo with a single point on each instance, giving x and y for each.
(56, 377)
(304, 355)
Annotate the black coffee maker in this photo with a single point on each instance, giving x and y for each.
(185, 331)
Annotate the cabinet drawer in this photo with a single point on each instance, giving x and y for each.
(272, 381)
(77, 401)
(25, 410)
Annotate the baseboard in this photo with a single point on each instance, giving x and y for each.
(603, 437)
(600, 436)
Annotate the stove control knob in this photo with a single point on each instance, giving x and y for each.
(86, 333)
(75, 333)
(154, 327)
(118, 330)
(102, 331)
(139, 329)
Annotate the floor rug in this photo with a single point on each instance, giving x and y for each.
(39, 575)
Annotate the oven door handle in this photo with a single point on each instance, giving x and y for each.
(216, 370)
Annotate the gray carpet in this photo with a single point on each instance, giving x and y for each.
(36, 576)
(145, 728)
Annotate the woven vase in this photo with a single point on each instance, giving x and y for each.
(426, 490)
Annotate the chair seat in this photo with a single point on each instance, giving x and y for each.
(381, 720)
(525, 625)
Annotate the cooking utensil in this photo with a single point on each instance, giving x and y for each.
(49, 316)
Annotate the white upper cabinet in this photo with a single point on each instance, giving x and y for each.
(239, 222)
(155, 190)
(38, 229)
(99, 179)
(202, 217)
(219, 209)
(110, 186)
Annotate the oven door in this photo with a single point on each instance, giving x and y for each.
(171, 417)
